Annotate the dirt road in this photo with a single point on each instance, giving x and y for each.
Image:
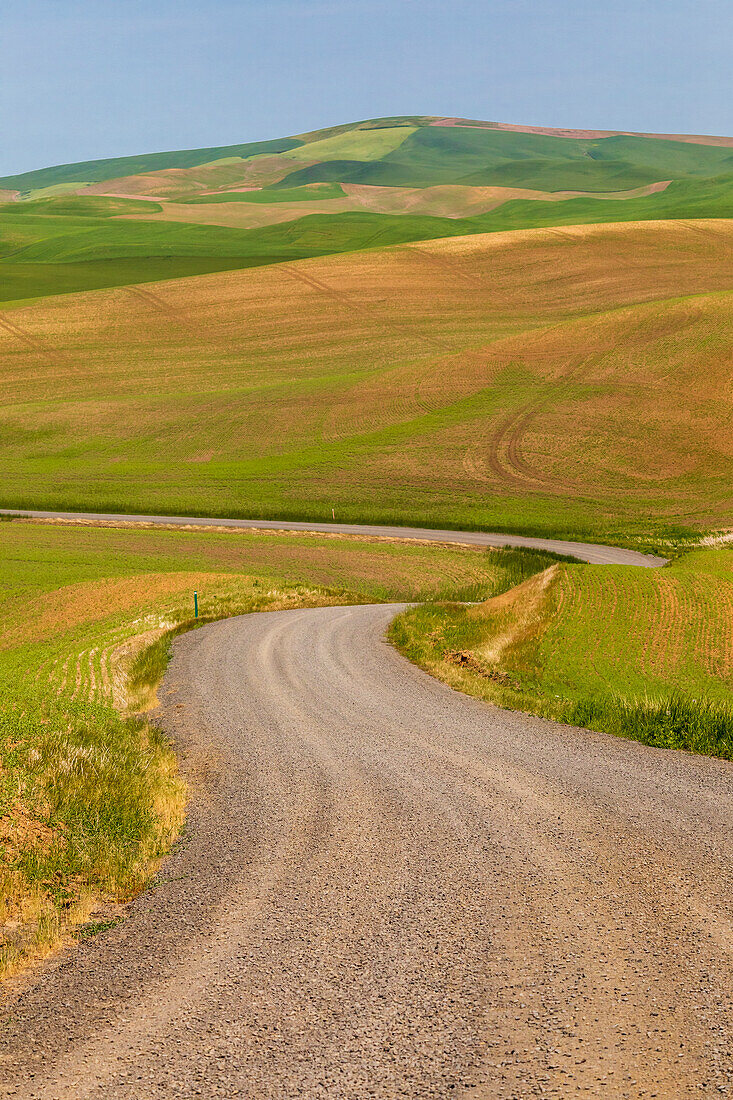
(388, 889)
(584, 551)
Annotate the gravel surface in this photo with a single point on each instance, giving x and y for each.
(584, 551)
(388, 889)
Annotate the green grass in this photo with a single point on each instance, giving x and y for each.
(312, 193)
(639, 653)
(709, 198)
(676, 721)
(96, 928)
(520, 563)
(40, 256)
(80, 206)
(89, 797)
(95, 171)
(25, 282)
(91, 793)
(42, 558)
(369, 144)
(55, 254)
(79, 240)
(148, 668)
(260, 396)
(467, 155)
(74, 248)
(379, 389)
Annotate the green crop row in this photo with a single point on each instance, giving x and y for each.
(646, 654)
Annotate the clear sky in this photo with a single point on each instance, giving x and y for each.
(82, 79)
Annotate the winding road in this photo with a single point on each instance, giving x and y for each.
(388, 889)
(584, 551)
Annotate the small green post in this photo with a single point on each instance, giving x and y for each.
(195, 605)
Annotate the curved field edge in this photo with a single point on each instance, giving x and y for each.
(422, 149)
(90, 797)
(47, 255)
(362, 185)
(648, 657)
(476, 382)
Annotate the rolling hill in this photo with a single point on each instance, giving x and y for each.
(380, 182)
(571, 380)
(430, 321)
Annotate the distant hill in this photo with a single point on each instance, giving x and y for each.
(360, 185)
(410, 152)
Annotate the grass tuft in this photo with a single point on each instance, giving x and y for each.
(700, 725)
(95, 928)
(519, 564)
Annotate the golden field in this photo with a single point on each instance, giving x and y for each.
(572, 380)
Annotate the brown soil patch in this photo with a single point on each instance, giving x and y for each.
(28, 339)
(18, 830)
(93, 601)
(186, 182)
(550, 131)
(456, 201)
(448, 201)
(243, 215)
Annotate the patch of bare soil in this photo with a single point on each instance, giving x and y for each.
(550, 131)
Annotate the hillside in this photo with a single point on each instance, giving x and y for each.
(379, 182)
(572, 381)
(645, 653)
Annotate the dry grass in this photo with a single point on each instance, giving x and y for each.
(460, 201)
(89, 795)
(231, 173)
(644, 653)
(519, 617)
(441, 201)
(225, 174)
(244, 215)
(80, 605)
(572, 378)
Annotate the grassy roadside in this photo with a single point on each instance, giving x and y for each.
(89, 795)
(646, 654)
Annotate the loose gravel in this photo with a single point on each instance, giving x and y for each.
(388, 889)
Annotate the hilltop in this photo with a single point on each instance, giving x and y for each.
(360, 185)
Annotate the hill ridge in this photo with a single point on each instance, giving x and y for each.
(192, 157)
(344, 188)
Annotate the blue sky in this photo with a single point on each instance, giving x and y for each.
(81, 79)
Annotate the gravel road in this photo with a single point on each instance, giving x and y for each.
(584, 551)
(388, 889)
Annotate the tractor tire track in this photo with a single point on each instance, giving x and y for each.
(353, 304)
(33, 342)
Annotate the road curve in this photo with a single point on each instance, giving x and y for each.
(388, 889)
(594, 553)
